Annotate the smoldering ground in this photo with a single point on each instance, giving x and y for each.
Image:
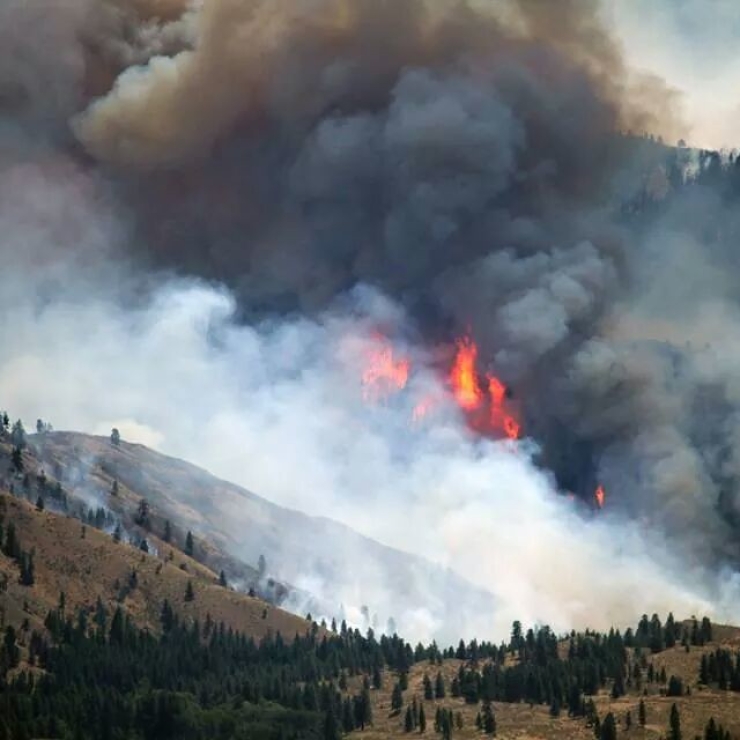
(465, 160)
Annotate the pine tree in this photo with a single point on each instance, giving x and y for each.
(142, 514)
(428, 692)
(144, 546)
(609, 728)
(331, 728)
(117, 533)
(408, 724)
(675, 724)
(642, 713)
(189, 544)
(189, 593)
(422, 720)
(12, 546)
(222, 580)
(167, 536)
(489, 719)
(377, 678)
(40, 504)
(397, 698)
(16, 459)
(439, 687)
(27, 569)
(628, 721)
(115, 437)
(18, 435)
(114, 488)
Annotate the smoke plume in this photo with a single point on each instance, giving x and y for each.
(208, 208)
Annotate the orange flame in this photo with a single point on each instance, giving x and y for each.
(497, 390)
(384, 374)
(463, 375)
(600, 496)
(511, 427)
(499, 418)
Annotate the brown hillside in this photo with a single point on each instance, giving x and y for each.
(235, 527)
(525, 722)
(86, 564)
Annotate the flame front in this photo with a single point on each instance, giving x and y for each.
(463, 375)
(384, 373)
(600, 496)
(486, 406)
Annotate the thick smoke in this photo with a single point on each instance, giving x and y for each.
(469, 163)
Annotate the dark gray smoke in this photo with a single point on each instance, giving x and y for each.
(475, 161)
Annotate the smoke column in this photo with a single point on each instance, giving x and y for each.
(210, 200)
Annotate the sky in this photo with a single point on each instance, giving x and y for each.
(693, 45)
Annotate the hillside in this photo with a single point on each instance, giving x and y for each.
(534, 722)
(86, 564)
(325, 562)
(200, 674)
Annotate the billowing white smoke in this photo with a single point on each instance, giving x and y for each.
(279, 409)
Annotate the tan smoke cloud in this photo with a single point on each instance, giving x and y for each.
(294, 59)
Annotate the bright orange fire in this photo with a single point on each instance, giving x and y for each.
(497, 390)
(384, 374)
(600, 497)
(486, 406)
(463, 375)
(499, 418)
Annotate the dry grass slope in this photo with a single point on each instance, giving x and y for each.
(93, 566)
(525, 722)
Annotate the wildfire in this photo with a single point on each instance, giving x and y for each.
(499, 418)
(484, 400)
(384, 374)
(463, 375)
(600, 497)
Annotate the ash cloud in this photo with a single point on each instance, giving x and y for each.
(469, 164)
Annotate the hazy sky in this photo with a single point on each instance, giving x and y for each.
(694, 45)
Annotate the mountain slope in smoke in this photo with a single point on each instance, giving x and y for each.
(325, 562)
(91, 566)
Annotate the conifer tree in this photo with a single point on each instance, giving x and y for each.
(675, 724)
(397, 698)
(222, 580)
(377, 678)
(488, 719)
(189, 593)
(642, 713)
(27, 569)
(609, 728)
(409, 720)
(189, 544)
(439, 686)
(16, 459)
(422, 720)
(428, 693)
